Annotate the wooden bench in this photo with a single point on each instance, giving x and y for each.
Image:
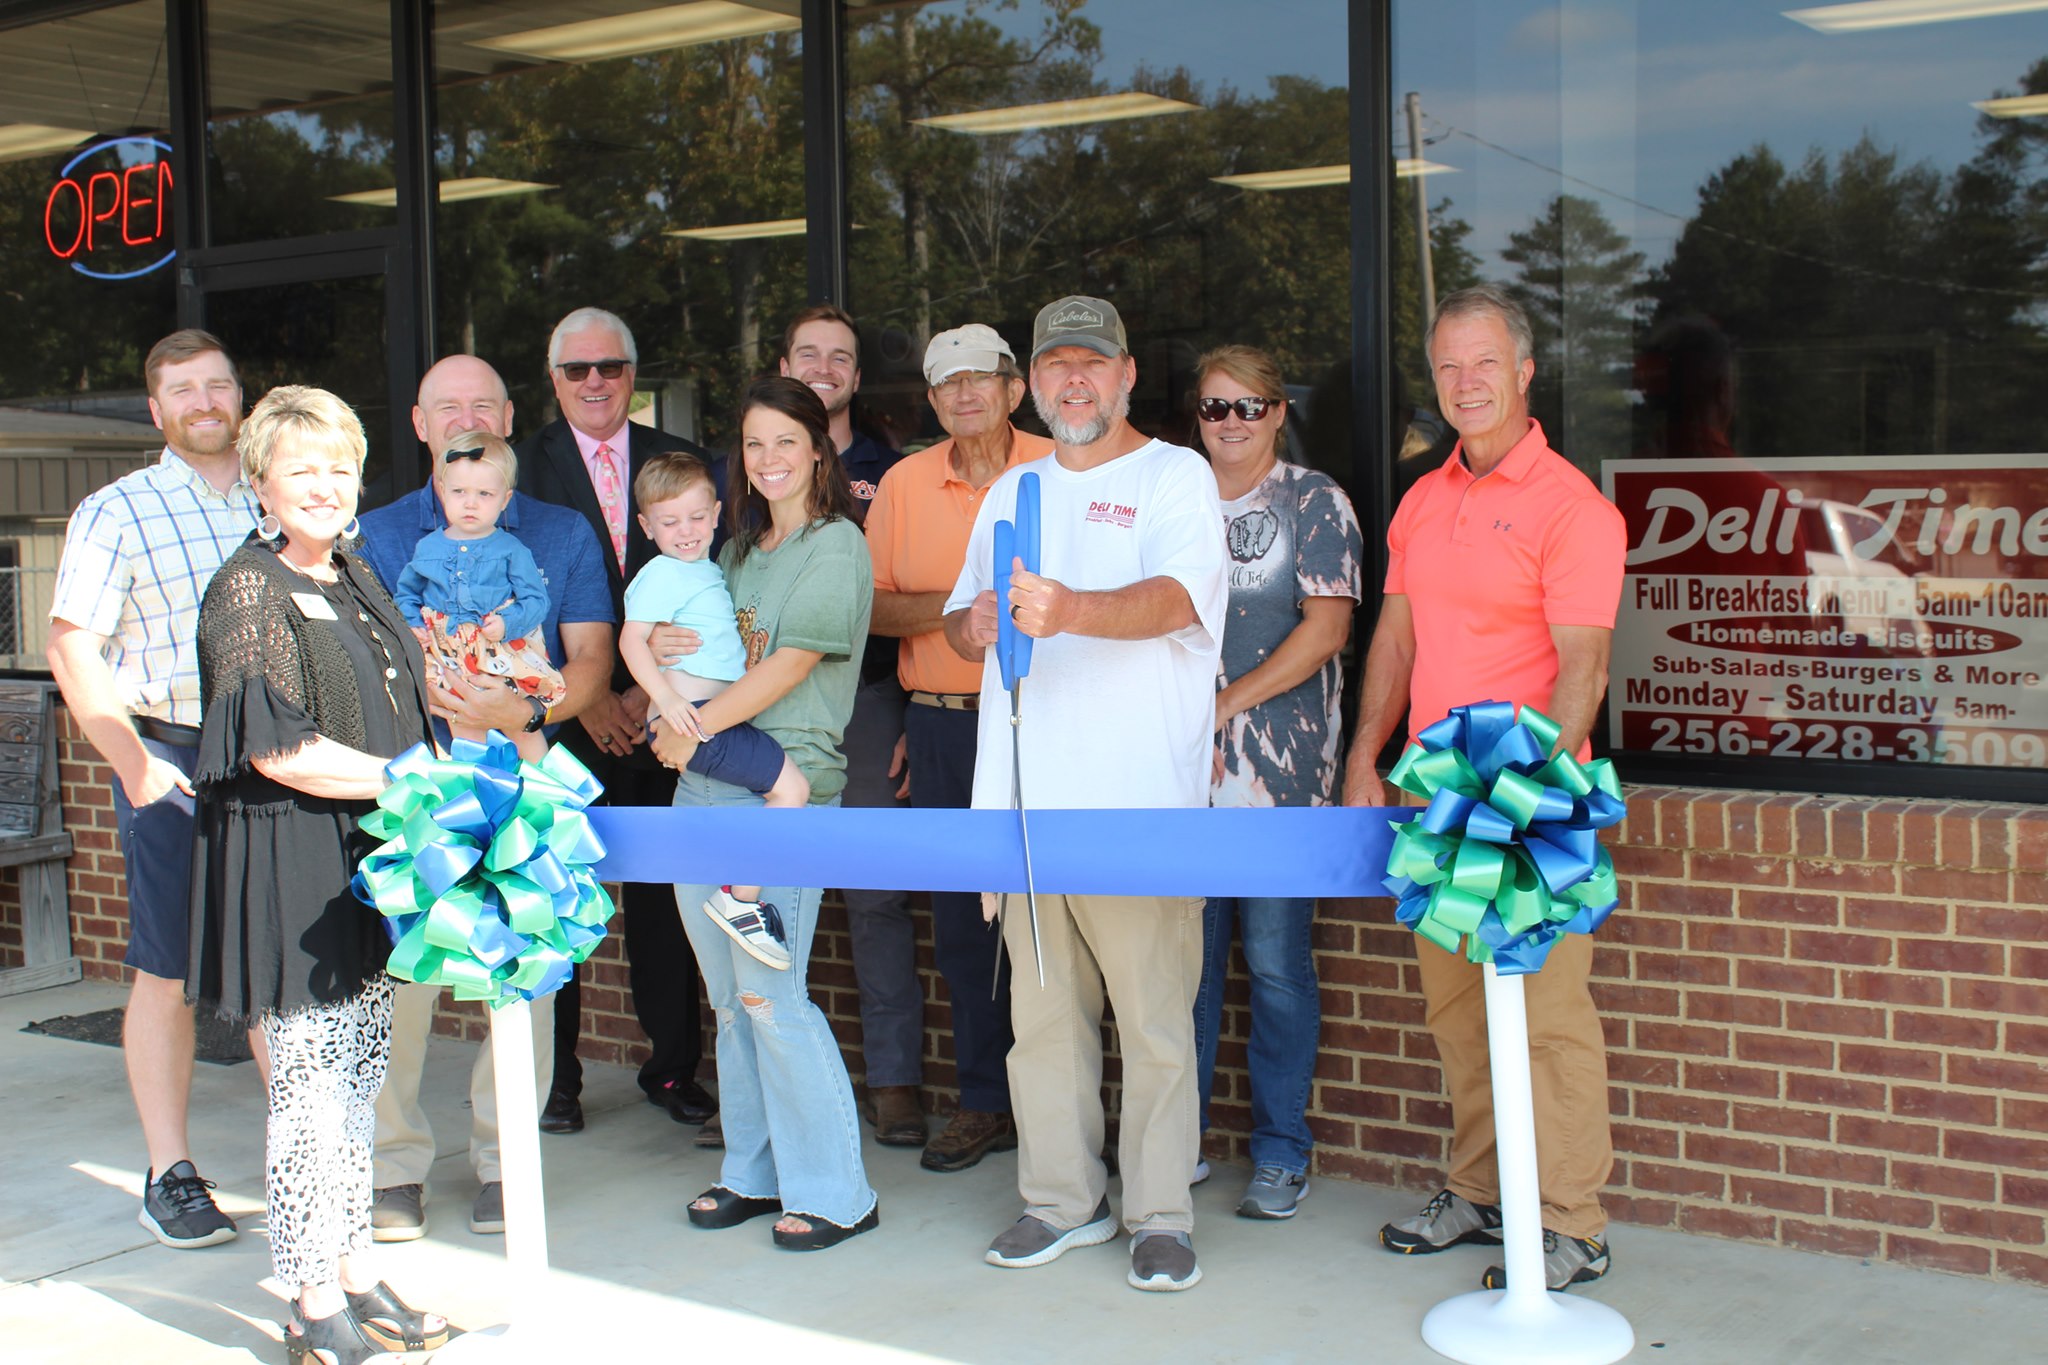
(32, 836)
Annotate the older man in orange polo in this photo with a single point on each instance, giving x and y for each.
(917, 535)
(1504, 571)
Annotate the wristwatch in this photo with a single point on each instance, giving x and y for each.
(540, 714)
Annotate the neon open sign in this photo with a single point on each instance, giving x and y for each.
(118, 213)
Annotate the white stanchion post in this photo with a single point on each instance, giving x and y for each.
(526, 1218)
(1524, 1324)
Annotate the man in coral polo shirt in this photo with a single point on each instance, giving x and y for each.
(1503, 575)
(918, 527)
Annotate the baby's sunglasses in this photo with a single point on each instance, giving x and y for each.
(1250, 409)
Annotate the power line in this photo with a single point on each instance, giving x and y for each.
(1826, 263)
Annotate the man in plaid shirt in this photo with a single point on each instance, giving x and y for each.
(138, 555)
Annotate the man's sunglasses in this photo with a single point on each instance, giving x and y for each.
(1250, 409)
(576, 371)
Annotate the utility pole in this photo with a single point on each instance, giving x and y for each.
(1422, 255)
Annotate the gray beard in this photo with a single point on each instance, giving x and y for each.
(1089, 433)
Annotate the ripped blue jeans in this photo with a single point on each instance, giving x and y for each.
(783, 1095)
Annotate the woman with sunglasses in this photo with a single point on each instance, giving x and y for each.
(1295, 552)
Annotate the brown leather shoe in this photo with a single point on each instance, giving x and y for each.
(899, 1116)
(972, 1135)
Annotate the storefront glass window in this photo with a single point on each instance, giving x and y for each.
(298, 118)
(1183, 160)
(1789, 278)
(646, 159)
(86, 280)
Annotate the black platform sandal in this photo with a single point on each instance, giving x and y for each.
(387, 1322)
(336, 1339)
(729, 1209)
(824, 1232)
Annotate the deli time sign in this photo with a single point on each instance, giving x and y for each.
(1890, 610)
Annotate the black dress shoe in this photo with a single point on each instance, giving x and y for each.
(564, 1114)
(686, 1102)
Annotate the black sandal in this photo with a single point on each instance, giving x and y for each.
(337, 1337)
(730, 1209)
(407, 1331)
(824, 1232)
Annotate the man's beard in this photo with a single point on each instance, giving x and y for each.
(219, 442)
(1090, 432)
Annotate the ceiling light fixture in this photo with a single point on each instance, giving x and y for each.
(1308, 177)
(655, 30)
(1061, 113)
(20, 141)
(451, 191)
(740, 232)
(2013, 106)
(1870, 14)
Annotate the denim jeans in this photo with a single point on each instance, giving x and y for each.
(942, 745)
(1287, 1014)
(787, 1106)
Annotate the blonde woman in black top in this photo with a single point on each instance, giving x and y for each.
(310, 682)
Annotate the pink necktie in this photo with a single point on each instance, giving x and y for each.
(614, 506)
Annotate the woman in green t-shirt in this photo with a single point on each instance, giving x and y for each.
(802, 586)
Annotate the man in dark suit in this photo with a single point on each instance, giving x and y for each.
(587, 460)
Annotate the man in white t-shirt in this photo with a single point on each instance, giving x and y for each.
(1117, 713)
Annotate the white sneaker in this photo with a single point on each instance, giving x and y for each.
(755, 925)
(1201, 1171)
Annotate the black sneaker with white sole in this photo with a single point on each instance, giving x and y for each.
(179, 1212)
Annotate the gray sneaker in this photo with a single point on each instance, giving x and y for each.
(1566, 1261)
(1273, 1193)
(399, 1214)
(178, 1209)
(1446, 1221)
(1163, 1262)
(488, 1213)
(1031, 1241)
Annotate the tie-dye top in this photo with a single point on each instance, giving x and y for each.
(1294, 536)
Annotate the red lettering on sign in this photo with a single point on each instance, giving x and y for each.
(137, 199)
(129, 203)
(92, 195)
(63, 253)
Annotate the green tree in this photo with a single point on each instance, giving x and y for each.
(1583, 289)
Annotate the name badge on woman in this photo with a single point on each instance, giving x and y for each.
(314, 607)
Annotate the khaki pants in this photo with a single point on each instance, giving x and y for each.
(1146, 952)
(405, 1145)
(1567, 1073)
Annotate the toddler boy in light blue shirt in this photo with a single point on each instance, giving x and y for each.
(678, 508)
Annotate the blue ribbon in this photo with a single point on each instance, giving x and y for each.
(1254, 851)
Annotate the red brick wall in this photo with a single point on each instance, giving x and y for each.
(1827, 1022)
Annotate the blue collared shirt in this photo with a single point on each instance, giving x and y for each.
(563, 545)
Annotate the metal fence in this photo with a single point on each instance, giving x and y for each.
(25, 616)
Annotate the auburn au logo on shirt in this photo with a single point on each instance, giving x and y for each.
(1113, 513)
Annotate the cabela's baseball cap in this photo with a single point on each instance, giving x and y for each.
(1078, 320)
(973, 347)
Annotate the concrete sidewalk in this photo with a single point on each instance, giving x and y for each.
(81, 1282)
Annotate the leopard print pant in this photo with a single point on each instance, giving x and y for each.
(326, 1067)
